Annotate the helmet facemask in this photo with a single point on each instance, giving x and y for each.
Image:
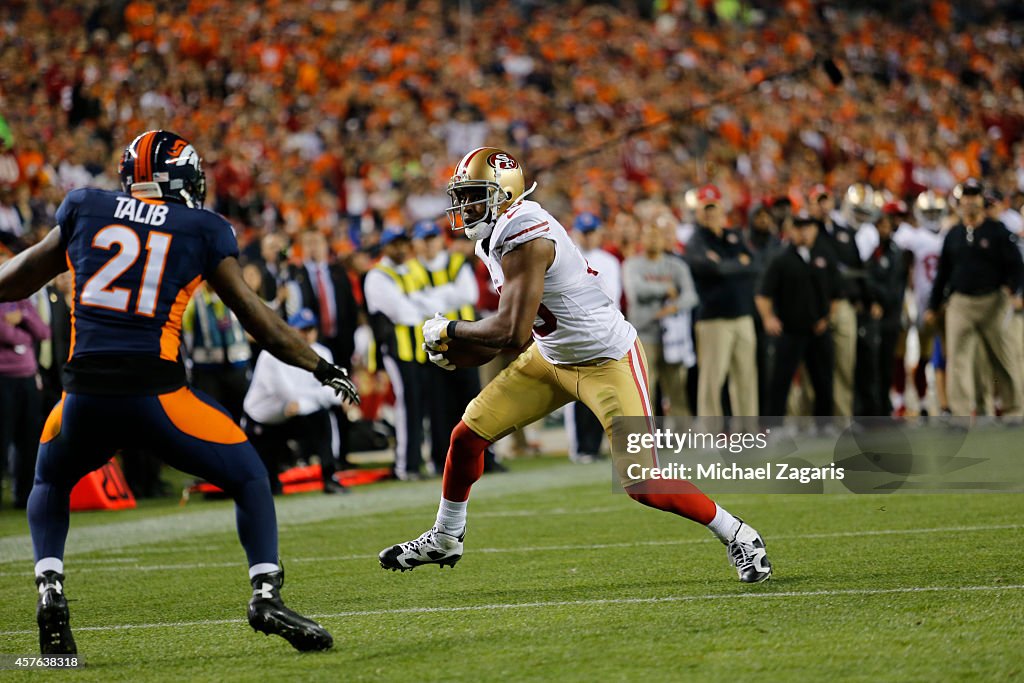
(930, 210)
(476, 205)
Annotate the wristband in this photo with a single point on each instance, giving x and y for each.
(322, 371)
(450, 330)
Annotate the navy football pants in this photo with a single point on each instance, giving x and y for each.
(187, 430)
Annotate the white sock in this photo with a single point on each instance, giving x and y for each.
(262, 568)
(724, 525)
(49, 564)
(451, 517)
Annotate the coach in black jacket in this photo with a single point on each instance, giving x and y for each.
(795, 302)
(980, 271)
(723, 270)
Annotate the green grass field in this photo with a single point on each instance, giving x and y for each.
(562, 580)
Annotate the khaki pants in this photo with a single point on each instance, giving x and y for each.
(531, 387)
(490, 370)
(844, 338)
(987, 320)
(672, 379)
(1017, 347)
(727, 348)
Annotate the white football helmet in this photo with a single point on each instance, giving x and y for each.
(861, 204)
(931, 210)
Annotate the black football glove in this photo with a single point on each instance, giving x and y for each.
(336, 378)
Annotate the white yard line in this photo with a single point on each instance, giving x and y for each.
(190, 523)
(568, 603)
(125, 563)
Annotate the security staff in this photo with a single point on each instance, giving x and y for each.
(795, 302)
(219, 352)
(724, 273)
(980, 272)
(453, 284)
(398, 304)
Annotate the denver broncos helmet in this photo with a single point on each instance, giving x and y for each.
(485, 183)
(160, 164)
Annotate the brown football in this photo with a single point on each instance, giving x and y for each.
(467, 354)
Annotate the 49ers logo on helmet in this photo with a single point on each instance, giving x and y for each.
(502, 161)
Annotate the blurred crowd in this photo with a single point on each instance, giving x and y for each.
(327, 125)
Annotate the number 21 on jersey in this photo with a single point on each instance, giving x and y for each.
(99, 290)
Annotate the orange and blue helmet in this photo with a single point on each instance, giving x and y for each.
(160, 164)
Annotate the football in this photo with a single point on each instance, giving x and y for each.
(466, 354)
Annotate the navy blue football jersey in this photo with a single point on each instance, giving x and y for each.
(135, 263)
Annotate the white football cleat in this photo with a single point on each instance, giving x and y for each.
(432, 547)
(748, 554)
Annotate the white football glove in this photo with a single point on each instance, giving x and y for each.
(438, 359)
(435, 331)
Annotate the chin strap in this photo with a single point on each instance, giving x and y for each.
(523, 195)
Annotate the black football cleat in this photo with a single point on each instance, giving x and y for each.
(748, 554)
(432, 547)
(268, 614)
(53, 616)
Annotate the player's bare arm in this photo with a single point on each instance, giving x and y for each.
(261, 322)
(511, 327)
(272, 332)
(30, 270)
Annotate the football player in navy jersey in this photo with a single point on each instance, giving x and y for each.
(135, 258)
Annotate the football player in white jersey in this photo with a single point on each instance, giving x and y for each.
(924, 242)
(583, 350)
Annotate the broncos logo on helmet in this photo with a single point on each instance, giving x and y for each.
(160, 164)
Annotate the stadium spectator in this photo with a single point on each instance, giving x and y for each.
(20, 397)
(659, 287)
(325, 288)
(54, 352)
(271, 260)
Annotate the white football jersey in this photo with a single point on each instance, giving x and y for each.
(577, 322)
(609, 272)
(926, 246)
